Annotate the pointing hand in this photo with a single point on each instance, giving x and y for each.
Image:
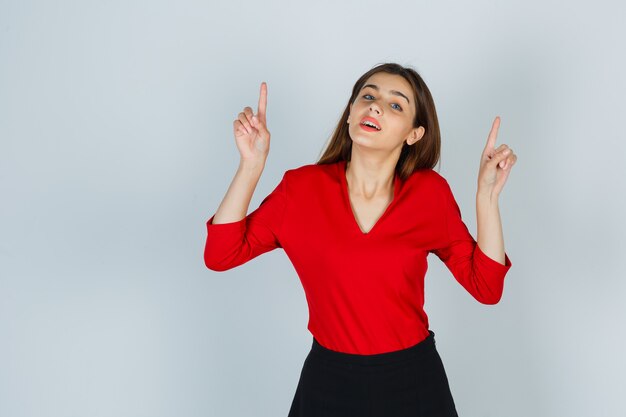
(495, 164)
(250, 130)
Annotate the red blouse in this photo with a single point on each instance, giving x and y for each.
(365, 291)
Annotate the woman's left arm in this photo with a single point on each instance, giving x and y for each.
(495, 167)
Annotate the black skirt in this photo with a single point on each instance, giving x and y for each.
(407, 382)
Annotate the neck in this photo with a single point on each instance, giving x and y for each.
(373, 179)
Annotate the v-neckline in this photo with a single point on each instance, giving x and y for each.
(346, 196)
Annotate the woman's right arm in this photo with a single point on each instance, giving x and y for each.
(232, 237)
(253, 142)
(234, 206)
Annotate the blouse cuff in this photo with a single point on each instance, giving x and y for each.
(230, 227)
(492, 264)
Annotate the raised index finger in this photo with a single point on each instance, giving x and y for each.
(262, 101)
(491, 139)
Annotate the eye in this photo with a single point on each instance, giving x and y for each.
(395, 108)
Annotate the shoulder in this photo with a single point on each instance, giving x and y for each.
(311, 173)
(438, 179)
(311, 182)
(427, 178)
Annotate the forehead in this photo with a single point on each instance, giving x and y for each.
(386, 81)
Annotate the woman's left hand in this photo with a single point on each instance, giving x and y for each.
(495, 164)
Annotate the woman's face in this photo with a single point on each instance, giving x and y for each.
(387, 100)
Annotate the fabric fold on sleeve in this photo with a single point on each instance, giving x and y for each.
(231, 244)
(482, 276)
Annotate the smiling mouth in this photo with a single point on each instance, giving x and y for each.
(368, 128)
(370, 123)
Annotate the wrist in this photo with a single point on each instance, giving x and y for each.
(486, 197)
(251, 165)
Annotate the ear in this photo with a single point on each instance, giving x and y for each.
(415, 135)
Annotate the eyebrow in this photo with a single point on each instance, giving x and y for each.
(397, 93)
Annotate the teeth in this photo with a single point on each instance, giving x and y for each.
(368, 123)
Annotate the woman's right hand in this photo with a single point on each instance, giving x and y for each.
(251, 134)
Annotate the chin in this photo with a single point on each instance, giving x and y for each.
(366, 143)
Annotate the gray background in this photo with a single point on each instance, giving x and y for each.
(117, 145)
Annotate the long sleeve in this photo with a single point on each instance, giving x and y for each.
(480, 275)
(231, 244)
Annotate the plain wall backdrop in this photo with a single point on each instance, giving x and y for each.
(116, 146)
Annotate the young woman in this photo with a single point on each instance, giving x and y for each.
(358, 226)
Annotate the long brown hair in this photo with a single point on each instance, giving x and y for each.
(424, 153)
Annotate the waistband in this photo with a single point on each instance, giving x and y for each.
(411, 352)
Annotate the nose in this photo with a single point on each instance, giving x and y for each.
(374, 106)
